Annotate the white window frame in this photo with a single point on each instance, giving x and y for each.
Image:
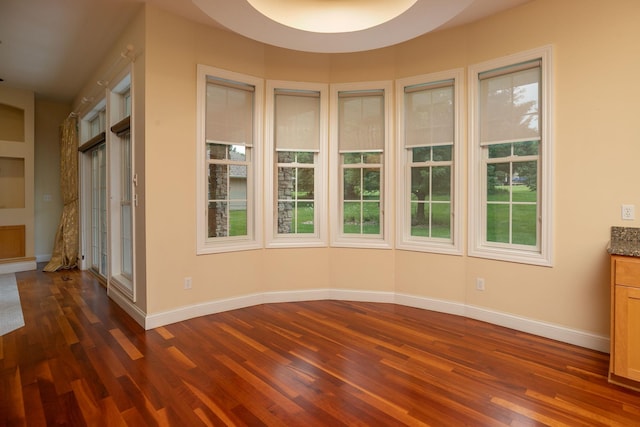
(404, 238)
(117, 110)
(478, 246)
(320, 236)
(254, 237)
(96, 113)
(338, 238)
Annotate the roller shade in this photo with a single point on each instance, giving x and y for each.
(297, 120)
(510, 104)
(429, 114)
(361, 121)
(229, 113)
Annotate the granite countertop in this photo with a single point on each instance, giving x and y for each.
(624, 241)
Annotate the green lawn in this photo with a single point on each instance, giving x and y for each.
(524, 221)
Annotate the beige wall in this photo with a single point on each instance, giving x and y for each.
(597, 144)
(49, 116)
(110, 70)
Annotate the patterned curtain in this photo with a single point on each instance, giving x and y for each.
(65, 250)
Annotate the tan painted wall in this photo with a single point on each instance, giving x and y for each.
(597, 62)
(49, 116)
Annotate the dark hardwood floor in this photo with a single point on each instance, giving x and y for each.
(80, 360)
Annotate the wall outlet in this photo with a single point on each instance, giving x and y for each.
(187, 282)
(479, 284)
(628, 212)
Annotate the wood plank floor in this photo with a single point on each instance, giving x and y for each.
(80, 360)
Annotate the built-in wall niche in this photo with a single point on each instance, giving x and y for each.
(11, 123)
(12, 181)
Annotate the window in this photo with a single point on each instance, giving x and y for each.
(512, 158)
(92, 131)
(296, 142)
(122, 187)
(428, 158)
(360, 143)
(228, 148)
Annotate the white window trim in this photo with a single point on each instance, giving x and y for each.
(403, 213)
(254, 191)
(320, 237)
(477, 246)
(339, 239)
(116, 278)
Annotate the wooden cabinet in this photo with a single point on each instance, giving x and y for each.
(624, 366)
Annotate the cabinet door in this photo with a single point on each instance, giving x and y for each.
(627, 332)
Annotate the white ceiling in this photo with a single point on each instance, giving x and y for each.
(52, 46)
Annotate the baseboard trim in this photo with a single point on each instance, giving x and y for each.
(18, 266)
(523, 324)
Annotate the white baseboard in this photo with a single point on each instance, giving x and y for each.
(547, 330)
(16, 267)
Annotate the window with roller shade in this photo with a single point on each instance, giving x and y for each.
(511, 149)
(229, 129)
(428, 157)
(296, 141)
(360, 169)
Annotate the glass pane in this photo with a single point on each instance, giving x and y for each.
(218, 177)
(352, 215)
(372, 158)
(498, 223)
(421, 154)
(285, 217)
(443, 153)
(371, 218)
(217, 219)
(525, 177)
(420, 183)
(371, 184)
(305, 157)
(126, 241)
(420, 219)
(304, 217)
(285, 156)
(352, 184)
(441, 185)
(498, 182)
(497, 151)
(286, 183)
(238, 218)
(238, 184)
(441, 220)
(237, 153)
(524, 224)
(526, 148)
(217, 151)
(351, 158)
(305, 183)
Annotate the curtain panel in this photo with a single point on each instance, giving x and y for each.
(65, 250)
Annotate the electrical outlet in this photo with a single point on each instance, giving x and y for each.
(628, 212)
(187, 282)
(479, 284)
